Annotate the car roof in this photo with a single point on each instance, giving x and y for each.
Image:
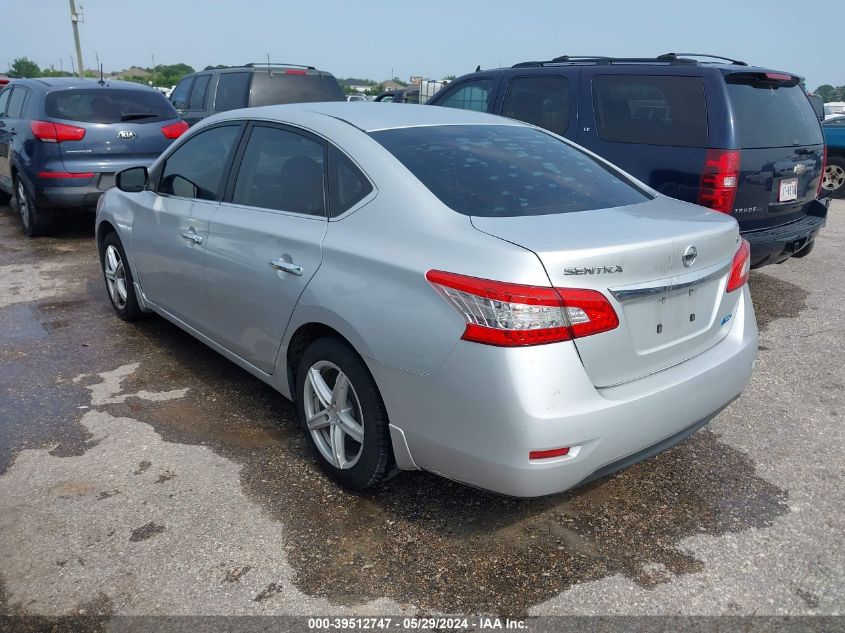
(76, 82)
(370, 116)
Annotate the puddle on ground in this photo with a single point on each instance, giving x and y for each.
(775, 299)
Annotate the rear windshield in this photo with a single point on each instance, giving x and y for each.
(103, 105)
(283, 87)
(506, 171)
(772, 115)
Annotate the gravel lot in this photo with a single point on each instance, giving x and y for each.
(141, 473)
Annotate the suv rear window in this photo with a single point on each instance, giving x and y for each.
(650, 109)
(506, 170)
(767, 115)
(275, 87)
(109, 105)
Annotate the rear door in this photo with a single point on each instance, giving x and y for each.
(652, 124)
(265, 240)
(545, 100)
(197, 109)
(232, 90)
(782, 148)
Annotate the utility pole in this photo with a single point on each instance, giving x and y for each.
(74, 19)
(154, 70)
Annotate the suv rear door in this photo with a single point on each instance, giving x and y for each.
(232, 91)
(548, 99)
(781, 147)
(651, 122)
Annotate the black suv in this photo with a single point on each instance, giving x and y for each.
(210, 91)
(739, 139)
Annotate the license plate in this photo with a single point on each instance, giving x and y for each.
(788, 190)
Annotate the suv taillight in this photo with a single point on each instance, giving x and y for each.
(174, 130)
(821, 176)
(50, 132)
(719, 179)
(740, 267)
(513, 315)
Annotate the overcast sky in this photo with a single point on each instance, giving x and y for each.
(371, 38)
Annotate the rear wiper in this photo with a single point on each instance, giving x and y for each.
(132, 116)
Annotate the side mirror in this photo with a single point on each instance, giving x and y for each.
(818, 105)
(131, 180)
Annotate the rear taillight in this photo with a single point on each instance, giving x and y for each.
(50, 132)
(821, 176)
(511, 315)
(740, 267)
(174, 130)
(719, 179)
(296, 72)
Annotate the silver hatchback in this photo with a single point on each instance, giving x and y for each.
(439, 289)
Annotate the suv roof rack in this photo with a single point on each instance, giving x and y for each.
(666, 58)
(279, 64)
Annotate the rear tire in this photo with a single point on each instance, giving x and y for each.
(343, 415)
(119, 279)
(35, 221)
(833, 183)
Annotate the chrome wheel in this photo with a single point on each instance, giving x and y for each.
(834, 178)
(333, 414)
(23, 204)
(115, 273)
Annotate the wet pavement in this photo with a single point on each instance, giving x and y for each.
(142, 473)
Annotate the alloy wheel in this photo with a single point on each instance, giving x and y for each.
(115, 273)
(333, 414)
(834, 178)
(23, 204)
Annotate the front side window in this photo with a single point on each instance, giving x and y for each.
(232, 91)
(540, 101)
(196, 168)
(653, 110)
(473, 95)
(282, 170)
(197, 101)
(16, 102)
(179, 98)
(507, 170)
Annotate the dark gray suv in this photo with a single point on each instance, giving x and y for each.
(63, 139)
(205, 93)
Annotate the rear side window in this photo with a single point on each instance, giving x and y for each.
(293, 86)
(16, 102)
(196, 168)
(506, 170)
(652, 110)
(473, 95)
(197, 101)
(772, 115)
(282, 170)
(179, 98)
(232, 91)
(347, 185)
(541, 101)
(104, 105)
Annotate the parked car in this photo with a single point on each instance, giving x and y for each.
(403, 95)
(834, 109)
(739, 139)
(834, 173)
(63, 139)
(210, 91)
(436, 289)
(356, 98)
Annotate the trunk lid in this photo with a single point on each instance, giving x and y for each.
(668, 312)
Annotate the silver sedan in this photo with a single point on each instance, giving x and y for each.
(439, 289)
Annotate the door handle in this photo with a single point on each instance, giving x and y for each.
(288, 267)
(192, 235)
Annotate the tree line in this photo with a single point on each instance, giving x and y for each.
(161, 75)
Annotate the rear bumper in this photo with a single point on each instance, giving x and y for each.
(777, 244)
(476, 419)
(76, 196)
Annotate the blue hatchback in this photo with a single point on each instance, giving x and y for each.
(63, 139)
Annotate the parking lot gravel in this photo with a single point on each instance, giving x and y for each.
(142, 473)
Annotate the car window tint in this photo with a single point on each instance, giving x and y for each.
(473, 95)
(348, 185)
(4, 100)
(16, 101)
(507, 170)
(179, 98)
(195, 169)
(197, 101)
(108, 105)
(653, 110)
(293, 86)
(232, 91)
(411, 97)
(772, 115)
(541, 101)
(281, 170)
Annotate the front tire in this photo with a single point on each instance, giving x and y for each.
(35, 221)
(833, 183)
(118, 278)
(343, 415)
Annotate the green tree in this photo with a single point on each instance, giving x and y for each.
(826, 92)
(23, 67)
(449, 78)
